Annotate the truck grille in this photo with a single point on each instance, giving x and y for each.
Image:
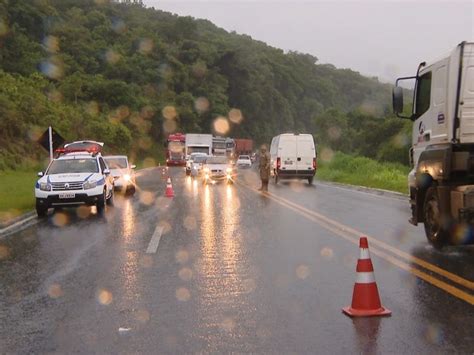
(66, 186)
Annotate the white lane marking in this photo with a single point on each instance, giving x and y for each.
(372, 193)
(155, 240)
(18, 224)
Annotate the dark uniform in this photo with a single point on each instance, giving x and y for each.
(264, 167)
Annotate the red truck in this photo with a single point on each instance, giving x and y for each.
(175, 150)
(243, 146)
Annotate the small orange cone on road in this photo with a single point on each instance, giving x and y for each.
(365, 298)
(169, 188)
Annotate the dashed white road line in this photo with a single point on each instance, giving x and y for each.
(155, 240)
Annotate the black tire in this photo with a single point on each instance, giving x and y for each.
(110, 200)
(276, 178)
(130, 191)
(100, 205)
(436, 230)
(188, 172)
(310, 180)
(41, 211)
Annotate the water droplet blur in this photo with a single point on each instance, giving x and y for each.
(248, 285)
(34, 133)
(52, 68)
(185, 274)
(327, 253)
(83, 211)
(183, 294)
(302, 272)
(334, 133)
(146, 197)
(118, 25)
(169, 126)
(145, 46)
(143, 315)
(3, 27)
(112, 57)
(235, 116)
(104, 297)
(60, 219)
(199, 70)
(227, 324)
(51, 43)
(92, 108)
(169, 112)
(221, 125)
(327, 154)
(146, 261)
(55, 291)
(4, 252)
(190, 222)
(182, 256)
(149, 162)
(55, 95)
(201, 104)
(434, 334)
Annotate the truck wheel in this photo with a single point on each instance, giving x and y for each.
(310, 180)
(435, 230)
(100, 205)
(276, 179)
(110, 200)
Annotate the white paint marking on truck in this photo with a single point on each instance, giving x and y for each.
(155, 240)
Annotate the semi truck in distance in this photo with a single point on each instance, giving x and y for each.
(441, 182)
(219, 147)
(175, 149)
(243, 146)
(198, 143)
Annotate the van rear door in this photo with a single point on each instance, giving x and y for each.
(305, 152)
(287, 152)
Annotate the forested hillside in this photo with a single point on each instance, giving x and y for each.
(127, 75)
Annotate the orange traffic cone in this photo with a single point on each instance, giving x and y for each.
(169, 188)
(365, 298)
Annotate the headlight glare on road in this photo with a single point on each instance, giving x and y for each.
(90, 185)
(44, 186)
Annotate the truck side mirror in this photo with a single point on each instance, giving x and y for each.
(397, 100)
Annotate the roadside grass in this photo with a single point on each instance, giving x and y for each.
(362, 171)
(16, 193)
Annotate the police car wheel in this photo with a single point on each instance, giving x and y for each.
(100, 205)
(41, 211)
(110, 200)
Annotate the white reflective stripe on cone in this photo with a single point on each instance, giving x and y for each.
(365, 278)
(364, 254)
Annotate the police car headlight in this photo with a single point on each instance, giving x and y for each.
(90, 185)
(127, 177)
(229, 170)
(206, 170)
(44, 186)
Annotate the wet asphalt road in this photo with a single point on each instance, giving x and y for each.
(234, 271)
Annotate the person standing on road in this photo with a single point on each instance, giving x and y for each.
(264, 167)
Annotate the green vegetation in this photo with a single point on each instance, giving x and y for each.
(16, 193)
(362, 171)
(128, 75)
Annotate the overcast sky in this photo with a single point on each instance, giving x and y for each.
(375, 37)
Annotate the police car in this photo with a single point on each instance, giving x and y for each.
(79, 176)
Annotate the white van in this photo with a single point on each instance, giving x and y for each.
(293, 156)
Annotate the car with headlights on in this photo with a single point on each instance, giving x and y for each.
(218, 169)
(197, 164)
(190, 160)
(73, 179)
(244, 161)
(123, 173)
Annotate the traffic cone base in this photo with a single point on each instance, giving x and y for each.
(365, 297)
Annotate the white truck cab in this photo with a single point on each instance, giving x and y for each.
(441, 183)
(77, 177)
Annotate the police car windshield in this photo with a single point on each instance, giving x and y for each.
(116, 163)
(64, 166)
(199, 159)
(217, 160)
